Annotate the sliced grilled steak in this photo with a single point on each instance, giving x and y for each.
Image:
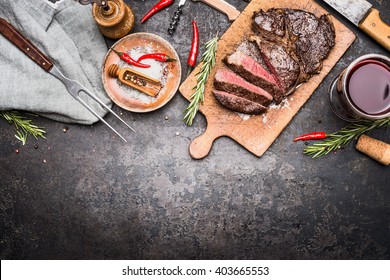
(289, 49)
(229, 81)
(253, 72)
(281, 64)
(238, 104)
(270, 24)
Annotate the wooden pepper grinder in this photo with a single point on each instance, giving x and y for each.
(114, 18)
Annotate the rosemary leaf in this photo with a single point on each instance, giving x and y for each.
(343, 137)
(208, 60)
(24, 127)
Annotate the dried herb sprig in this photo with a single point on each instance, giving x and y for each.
(23, 126)
(343, 137)
(208, 60)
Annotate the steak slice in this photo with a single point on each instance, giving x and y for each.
(238, 104)
(229, 81)
(253, 72)
(251, 49)
(270, 24)
(314, 38)
(281, 64)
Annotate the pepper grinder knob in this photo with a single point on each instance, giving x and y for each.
(115, 19)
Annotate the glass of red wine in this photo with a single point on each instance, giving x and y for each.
(362, 90)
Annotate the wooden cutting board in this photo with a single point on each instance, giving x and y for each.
(257, 133)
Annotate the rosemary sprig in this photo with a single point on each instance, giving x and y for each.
(343, 137)
(23, 126)
(208, 60)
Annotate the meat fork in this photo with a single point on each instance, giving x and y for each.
(73, 87)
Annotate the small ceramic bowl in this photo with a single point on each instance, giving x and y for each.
(168, 73)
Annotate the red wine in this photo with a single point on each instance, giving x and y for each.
(369, 87)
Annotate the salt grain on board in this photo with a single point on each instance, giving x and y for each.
(265, 119)
(273, 106)
(244, 117)
(283, 104)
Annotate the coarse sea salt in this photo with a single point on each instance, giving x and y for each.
(244, 117)
(264, 118)
(284, 104)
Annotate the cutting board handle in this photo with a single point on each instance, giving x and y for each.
(200, 147)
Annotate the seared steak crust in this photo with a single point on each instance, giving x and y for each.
(314, 38)
(307, 37)
(270, 24)
(238, 104)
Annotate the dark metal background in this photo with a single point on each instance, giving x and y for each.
(98, 198)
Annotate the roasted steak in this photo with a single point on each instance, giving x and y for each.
(288, 49)
(229, 81)
(281, 64)
(314, 38)
(270, 24)
(307, 37)
(238, 104)
(253, 72)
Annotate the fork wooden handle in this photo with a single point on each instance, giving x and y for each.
(20, 41)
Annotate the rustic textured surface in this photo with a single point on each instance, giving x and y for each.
(96, 197)
(257, 132)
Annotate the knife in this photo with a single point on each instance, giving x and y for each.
(176, 17)
(363, 15)
(223, 7)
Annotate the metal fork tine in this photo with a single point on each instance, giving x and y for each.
(97, 99)
(99, 117)
(74, 88)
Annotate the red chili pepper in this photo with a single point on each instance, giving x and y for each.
(311, 136)
(159, 6)
(157, 56)
(125, 57)
(194, 47)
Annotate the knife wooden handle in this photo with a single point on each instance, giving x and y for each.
(223, 7)
(18, 39)
(376, 28)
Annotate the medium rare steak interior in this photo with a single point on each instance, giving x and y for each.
(229, 81)
(287, 49)
(281, 64)
(254, 73)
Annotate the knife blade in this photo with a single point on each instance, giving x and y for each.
(363, 15)
(176, 17)
(222, 6)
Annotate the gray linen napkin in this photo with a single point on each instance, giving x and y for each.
(67, 34)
